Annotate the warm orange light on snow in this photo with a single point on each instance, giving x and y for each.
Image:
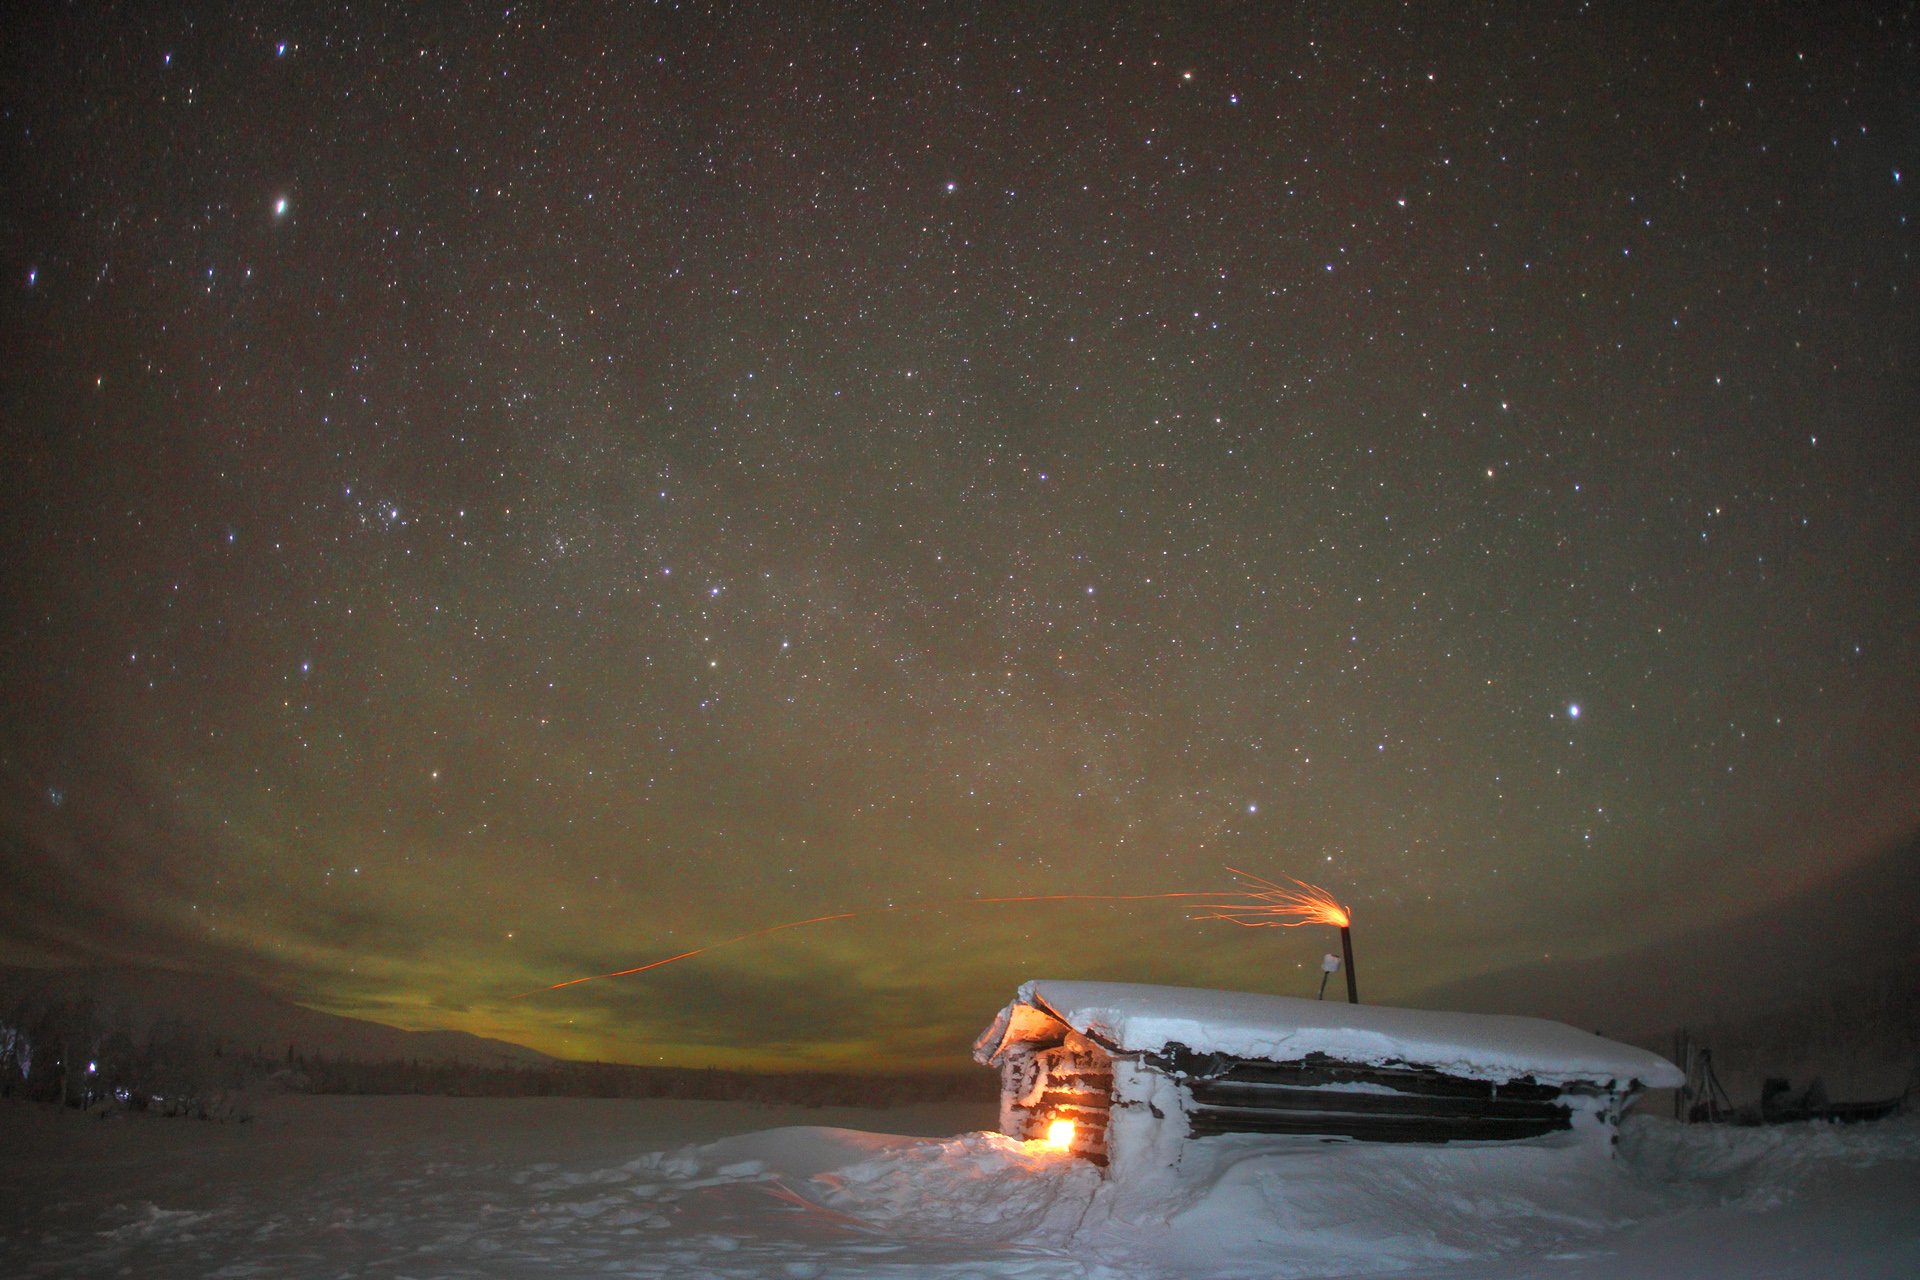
(1309, 904)
(1060, 1135)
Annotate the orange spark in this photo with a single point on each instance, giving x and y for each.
(684, 955)
(1261, 906)
(1271, 902)
(871, 911)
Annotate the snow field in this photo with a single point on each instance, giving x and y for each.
(438, 1188)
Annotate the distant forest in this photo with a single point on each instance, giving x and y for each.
(59, 1051)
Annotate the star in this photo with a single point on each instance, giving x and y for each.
(575, 393)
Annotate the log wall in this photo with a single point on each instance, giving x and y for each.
(1319, 1096)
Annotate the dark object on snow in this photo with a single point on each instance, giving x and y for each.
(1703, 1101)
(1780, 1105)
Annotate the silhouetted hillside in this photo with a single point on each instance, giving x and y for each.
(191, 1044)
(236, 1013)
(1826, 982)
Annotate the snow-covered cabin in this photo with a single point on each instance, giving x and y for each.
(1140, 1070)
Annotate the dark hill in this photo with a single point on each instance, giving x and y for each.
(1824, 982)
(235, 1012)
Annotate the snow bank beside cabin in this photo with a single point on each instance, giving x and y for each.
(1135, 1018)
(1721, 1203)
(508, 1189)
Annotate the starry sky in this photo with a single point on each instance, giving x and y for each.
(500, 494)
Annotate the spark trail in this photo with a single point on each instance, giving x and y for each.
(1268, 899)
(1266, 905)
(871, 911)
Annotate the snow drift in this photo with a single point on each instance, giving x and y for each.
(432, 1187)
(1485, 1046)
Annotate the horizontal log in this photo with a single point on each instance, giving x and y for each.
(1274, 1097)
(1209, 1121)
(1089, 1084)
(1085, 1137)
(1089, 1133)
(1318, 1069)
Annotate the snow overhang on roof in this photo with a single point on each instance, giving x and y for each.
(1132, 1018)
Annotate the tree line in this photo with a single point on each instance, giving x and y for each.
(67, 1052)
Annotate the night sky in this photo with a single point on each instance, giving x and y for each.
(496, 495)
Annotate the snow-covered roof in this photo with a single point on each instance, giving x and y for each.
(1132, 1018)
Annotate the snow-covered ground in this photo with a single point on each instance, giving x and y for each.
(441, 1187)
